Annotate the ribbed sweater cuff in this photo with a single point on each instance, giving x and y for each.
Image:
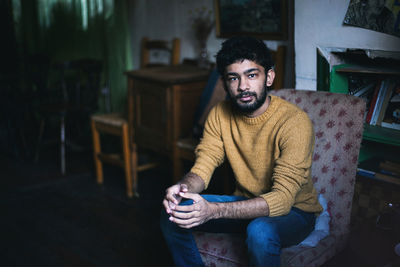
(276, 205)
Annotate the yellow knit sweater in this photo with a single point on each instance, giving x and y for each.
(270, 154)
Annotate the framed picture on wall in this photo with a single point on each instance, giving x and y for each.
(376, 15)
(264, 19)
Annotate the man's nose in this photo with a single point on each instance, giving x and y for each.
(243, 84)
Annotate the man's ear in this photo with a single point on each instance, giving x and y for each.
(270, 77)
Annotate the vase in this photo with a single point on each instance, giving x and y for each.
(202, 60)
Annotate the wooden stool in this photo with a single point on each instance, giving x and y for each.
(113, 124)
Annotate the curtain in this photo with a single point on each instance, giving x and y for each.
(72, 29)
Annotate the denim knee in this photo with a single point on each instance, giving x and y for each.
(180, 242)
(261, 233)
(263, 243)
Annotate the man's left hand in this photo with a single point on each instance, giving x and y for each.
(188, 216)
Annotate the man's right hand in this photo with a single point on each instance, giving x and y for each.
(172, 197)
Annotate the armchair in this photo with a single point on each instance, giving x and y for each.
(338, 126)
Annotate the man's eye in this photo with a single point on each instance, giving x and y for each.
(252, 75)
(231, 79)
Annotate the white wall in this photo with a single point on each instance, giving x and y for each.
(319, 23)
(316, 23)
(162, 19)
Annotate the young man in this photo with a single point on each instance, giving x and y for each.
(269, 144)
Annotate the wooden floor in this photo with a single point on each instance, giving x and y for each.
(52, 220)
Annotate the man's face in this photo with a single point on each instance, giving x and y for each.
(246, 83)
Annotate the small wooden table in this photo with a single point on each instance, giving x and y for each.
(161, 105)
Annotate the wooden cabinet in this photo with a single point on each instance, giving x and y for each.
(161, 105)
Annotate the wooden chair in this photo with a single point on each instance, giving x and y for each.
(212, 94)
(172, 48)
(112, 124)
(71, 100)
(117, 125)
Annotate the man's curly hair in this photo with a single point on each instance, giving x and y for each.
(240, 48)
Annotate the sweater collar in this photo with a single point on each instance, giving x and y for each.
(265, 116)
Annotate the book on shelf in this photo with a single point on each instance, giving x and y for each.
(391, 125)
(381, 169)
(383, 89)
(382, 101)
(390, 167)
(391, 117)
(372, 103)
(378, 176)
(385, 102)
(363, 90)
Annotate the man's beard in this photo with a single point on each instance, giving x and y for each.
(249, 107)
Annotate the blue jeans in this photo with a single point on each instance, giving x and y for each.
(265, 235)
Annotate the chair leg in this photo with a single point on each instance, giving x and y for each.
(127, 160)
(62, 144)
(96, 152)
(134, 161)
(39, 141)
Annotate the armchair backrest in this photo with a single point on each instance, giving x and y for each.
(338, 127)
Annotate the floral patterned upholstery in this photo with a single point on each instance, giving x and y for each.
(338, 126)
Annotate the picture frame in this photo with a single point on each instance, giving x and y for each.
(375, 15)
(264, 19)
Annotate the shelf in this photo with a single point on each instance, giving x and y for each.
(372, 149)
(337, 71)
(367, 70)
(381, 134)
(390, 180)
(374, 168)
(339, 81)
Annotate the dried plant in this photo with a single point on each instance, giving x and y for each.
(202, 24)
